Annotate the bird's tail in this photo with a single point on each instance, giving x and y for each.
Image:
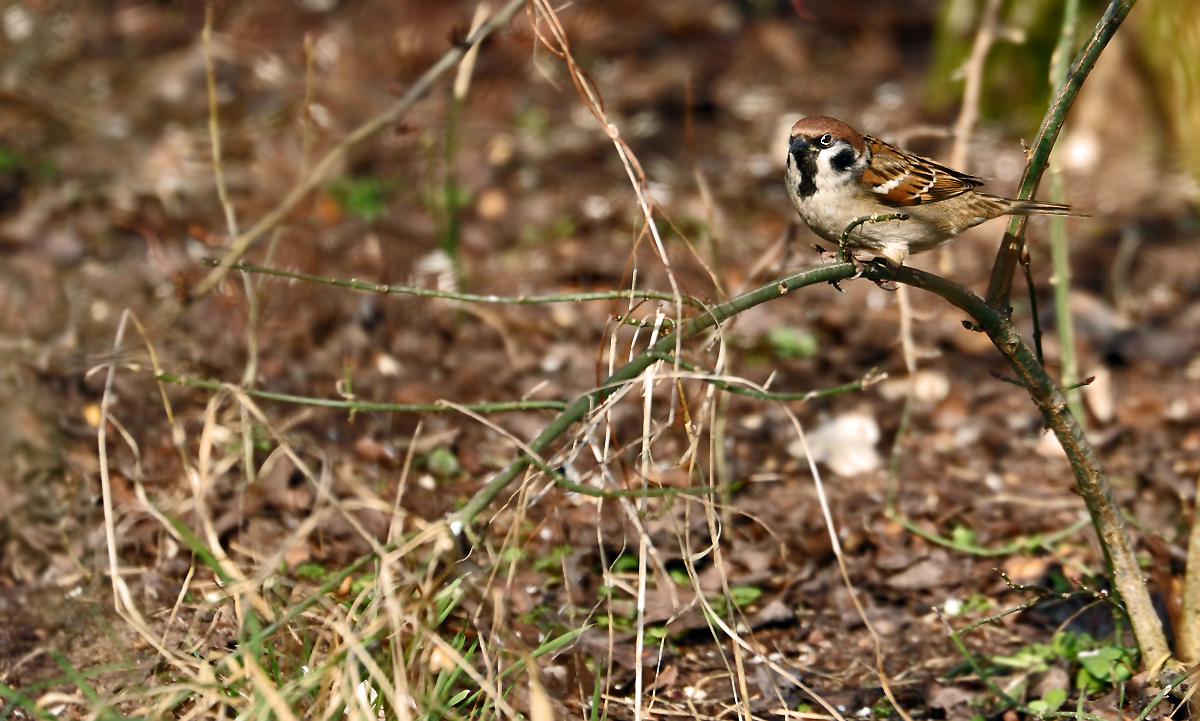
(1037, 207)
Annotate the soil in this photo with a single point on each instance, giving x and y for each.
(108, 205)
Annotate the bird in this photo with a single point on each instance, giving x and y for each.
(836, 176)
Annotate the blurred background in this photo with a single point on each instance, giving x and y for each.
(108, 202)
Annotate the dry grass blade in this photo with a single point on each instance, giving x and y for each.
(841, 561)
(122, 598)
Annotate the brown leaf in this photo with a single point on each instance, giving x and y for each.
(927, 574)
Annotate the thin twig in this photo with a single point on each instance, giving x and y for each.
(120, 592)
(910, 397)
(468, 297)
(843, 247)
(364, 406)
(968, 114)
(1060, 253)
(1089, 476)
(252, 298)
(214, 126)
(1032, 543)
(306, 114)
(450, 185)
(1034, 316)
(871, 378)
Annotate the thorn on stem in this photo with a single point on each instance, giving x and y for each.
(1006, 379)
(1085, 382)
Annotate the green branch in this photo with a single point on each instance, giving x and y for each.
(584, 404)
(365, 406)
(872, 377)
(843, 241)
(1089, 476)
(465, 297)
(1092, 483)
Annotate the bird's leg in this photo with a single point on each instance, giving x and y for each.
(843, 242)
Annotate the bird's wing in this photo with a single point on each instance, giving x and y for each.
(901, 178)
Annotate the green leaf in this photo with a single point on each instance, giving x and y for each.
(447, 598)
(553, 560)
(10, 160)
(1054, 698)
(550, 645)
(655, 633)
(744, 595)
(310, 571)
(363, 197)
(1068, 644)
(361, 583)
(978, 602)
(1033, 657)
(788, 342)
(963, 536)
(442, 462)
(1105, 663)
(1086, 682)
(626, 563)
(533, 121)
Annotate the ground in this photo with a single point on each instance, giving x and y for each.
(109, 206)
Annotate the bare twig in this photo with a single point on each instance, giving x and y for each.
(968, 114)
(364, 406)
(1058, 230)
(1089, 476)
(306, 114)
(910, 395)
(471, 297)
(122, 597)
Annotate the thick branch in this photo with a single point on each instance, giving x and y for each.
(1089, 476)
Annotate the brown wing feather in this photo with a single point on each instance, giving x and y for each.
(900, 178)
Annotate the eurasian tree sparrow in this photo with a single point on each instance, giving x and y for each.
(836, 175)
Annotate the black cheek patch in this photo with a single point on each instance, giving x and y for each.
(843, 160)
(807, 165)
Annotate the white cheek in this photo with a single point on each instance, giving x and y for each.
(829, 178)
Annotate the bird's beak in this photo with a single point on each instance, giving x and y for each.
(799, 146)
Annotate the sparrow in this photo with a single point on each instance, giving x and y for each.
(836, 175)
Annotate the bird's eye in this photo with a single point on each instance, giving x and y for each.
(825, 140)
